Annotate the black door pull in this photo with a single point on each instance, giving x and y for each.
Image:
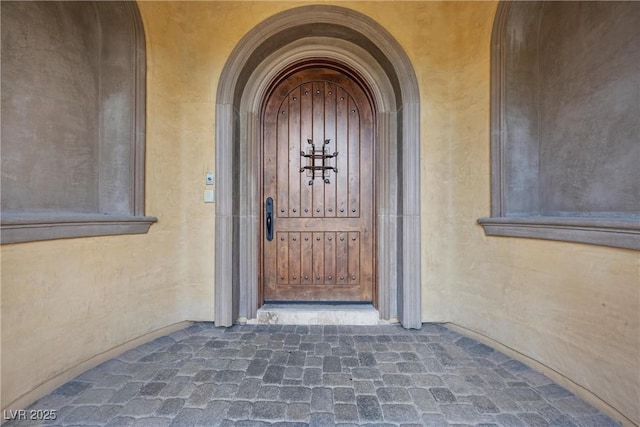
(269, 214)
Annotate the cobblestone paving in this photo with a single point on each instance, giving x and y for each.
(255, 375)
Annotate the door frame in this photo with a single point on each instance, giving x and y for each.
(350, 38)
(319, 62)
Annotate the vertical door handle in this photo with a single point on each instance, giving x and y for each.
(269, 220)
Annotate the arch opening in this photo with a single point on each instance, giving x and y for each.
(345, 37)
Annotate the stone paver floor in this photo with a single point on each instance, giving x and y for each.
(253, 375)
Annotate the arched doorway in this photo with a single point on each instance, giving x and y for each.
(340, 36)
(317, 151)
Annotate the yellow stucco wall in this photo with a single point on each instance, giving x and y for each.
(572, 307)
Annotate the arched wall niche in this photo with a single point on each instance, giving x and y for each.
(345, 37)
(73, 138)
(564, 127)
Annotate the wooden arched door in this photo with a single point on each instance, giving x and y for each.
(318, 241)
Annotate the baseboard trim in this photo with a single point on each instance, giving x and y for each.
(585, 394)
(51, 384)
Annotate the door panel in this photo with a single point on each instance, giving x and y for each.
(317, 132)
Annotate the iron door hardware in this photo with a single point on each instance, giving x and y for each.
(318, 154)
(269, 218)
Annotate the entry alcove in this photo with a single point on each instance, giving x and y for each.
(340, 35)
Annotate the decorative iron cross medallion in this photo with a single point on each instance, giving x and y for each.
(321, 155)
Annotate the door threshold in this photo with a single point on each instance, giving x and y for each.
(316, 314)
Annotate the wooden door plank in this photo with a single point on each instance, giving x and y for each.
(282, 149)
(292, 166)
(294, 258)
(342, 258)
(282, 241)
(354, 159)
(306, 259)
(330, 207)
(297, 224)
(342, 139)
(318, 139)
(318, 251)
(306, 133)
(330, 258)
(354, 258)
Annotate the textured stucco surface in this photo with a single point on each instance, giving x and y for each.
(572, 102)
(571, 307)
(598, 114)
(50, 104)
(68, 102)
